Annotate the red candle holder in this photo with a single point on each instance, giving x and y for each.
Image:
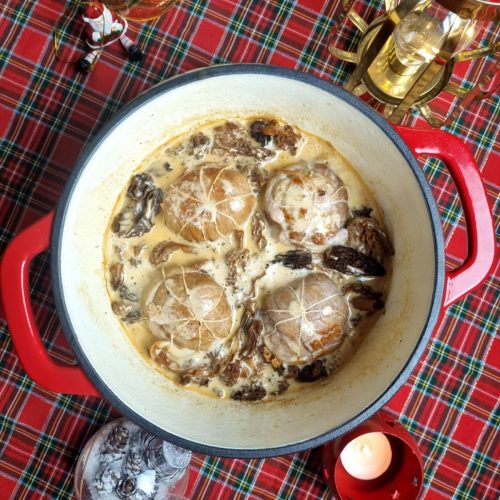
(401, 481)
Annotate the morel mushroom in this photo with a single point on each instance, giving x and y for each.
(189, 309)
(363, 299)
(312, 372)
(262, 131)
(258, 226)
(116, 275)
(250, 392)
(231, 139)
(126, 312)
(199, 145)
(143, 204)
(162, 252)
(209, 203)
(285, 137)
(191, 366)
(305, 319)
(237, 262)
(350, 261)
(366, 235)
(295, 259)
(308, 202)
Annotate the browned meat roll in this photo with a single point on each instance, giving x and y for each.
(188, 308)
(308, 203)
(208, 203)
(305, 319)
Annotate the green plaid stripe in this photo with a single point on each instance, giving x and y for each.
(484, 463)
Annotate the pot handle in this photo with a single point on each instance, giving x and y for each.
(480, 230)
(14, 283)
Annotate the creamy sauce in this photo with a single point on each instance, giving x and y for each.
(258, 278)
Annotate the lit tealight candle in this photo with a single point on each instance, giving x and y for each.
(368, 456)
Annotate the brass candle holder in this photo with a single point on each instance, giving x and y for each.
(406, 57)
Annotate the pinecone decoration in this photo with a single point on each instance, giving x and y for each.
(115, 445)
(144, 440)
(134, 464)
(118, 438)
(106, 481)
(126, 487)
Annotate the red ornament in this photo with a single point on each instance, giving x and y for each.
(104, 27)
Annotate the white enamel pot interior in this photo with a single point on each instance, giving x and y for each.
(294, 421)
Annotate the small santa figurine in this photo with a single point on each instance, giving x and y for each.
(103, 27)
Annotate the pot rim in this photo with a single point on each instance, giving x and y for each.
(239, 69)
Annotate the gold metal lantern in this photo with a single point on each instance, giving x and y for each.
(406, 56)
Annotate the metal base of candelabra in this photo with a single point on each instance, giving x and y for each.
(403, 87)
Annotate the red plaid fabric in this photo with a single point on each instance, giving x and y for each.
(48, 112)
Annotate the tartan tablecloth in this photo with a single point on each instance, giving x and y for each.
(48, 112)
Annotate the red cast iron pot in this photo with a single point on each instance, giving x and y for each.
(109, 366)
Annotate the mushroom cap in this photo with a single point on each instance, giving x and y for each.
(366, 235)
(308, 203)
(189, 309)
(304, 319)
(208, 203)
